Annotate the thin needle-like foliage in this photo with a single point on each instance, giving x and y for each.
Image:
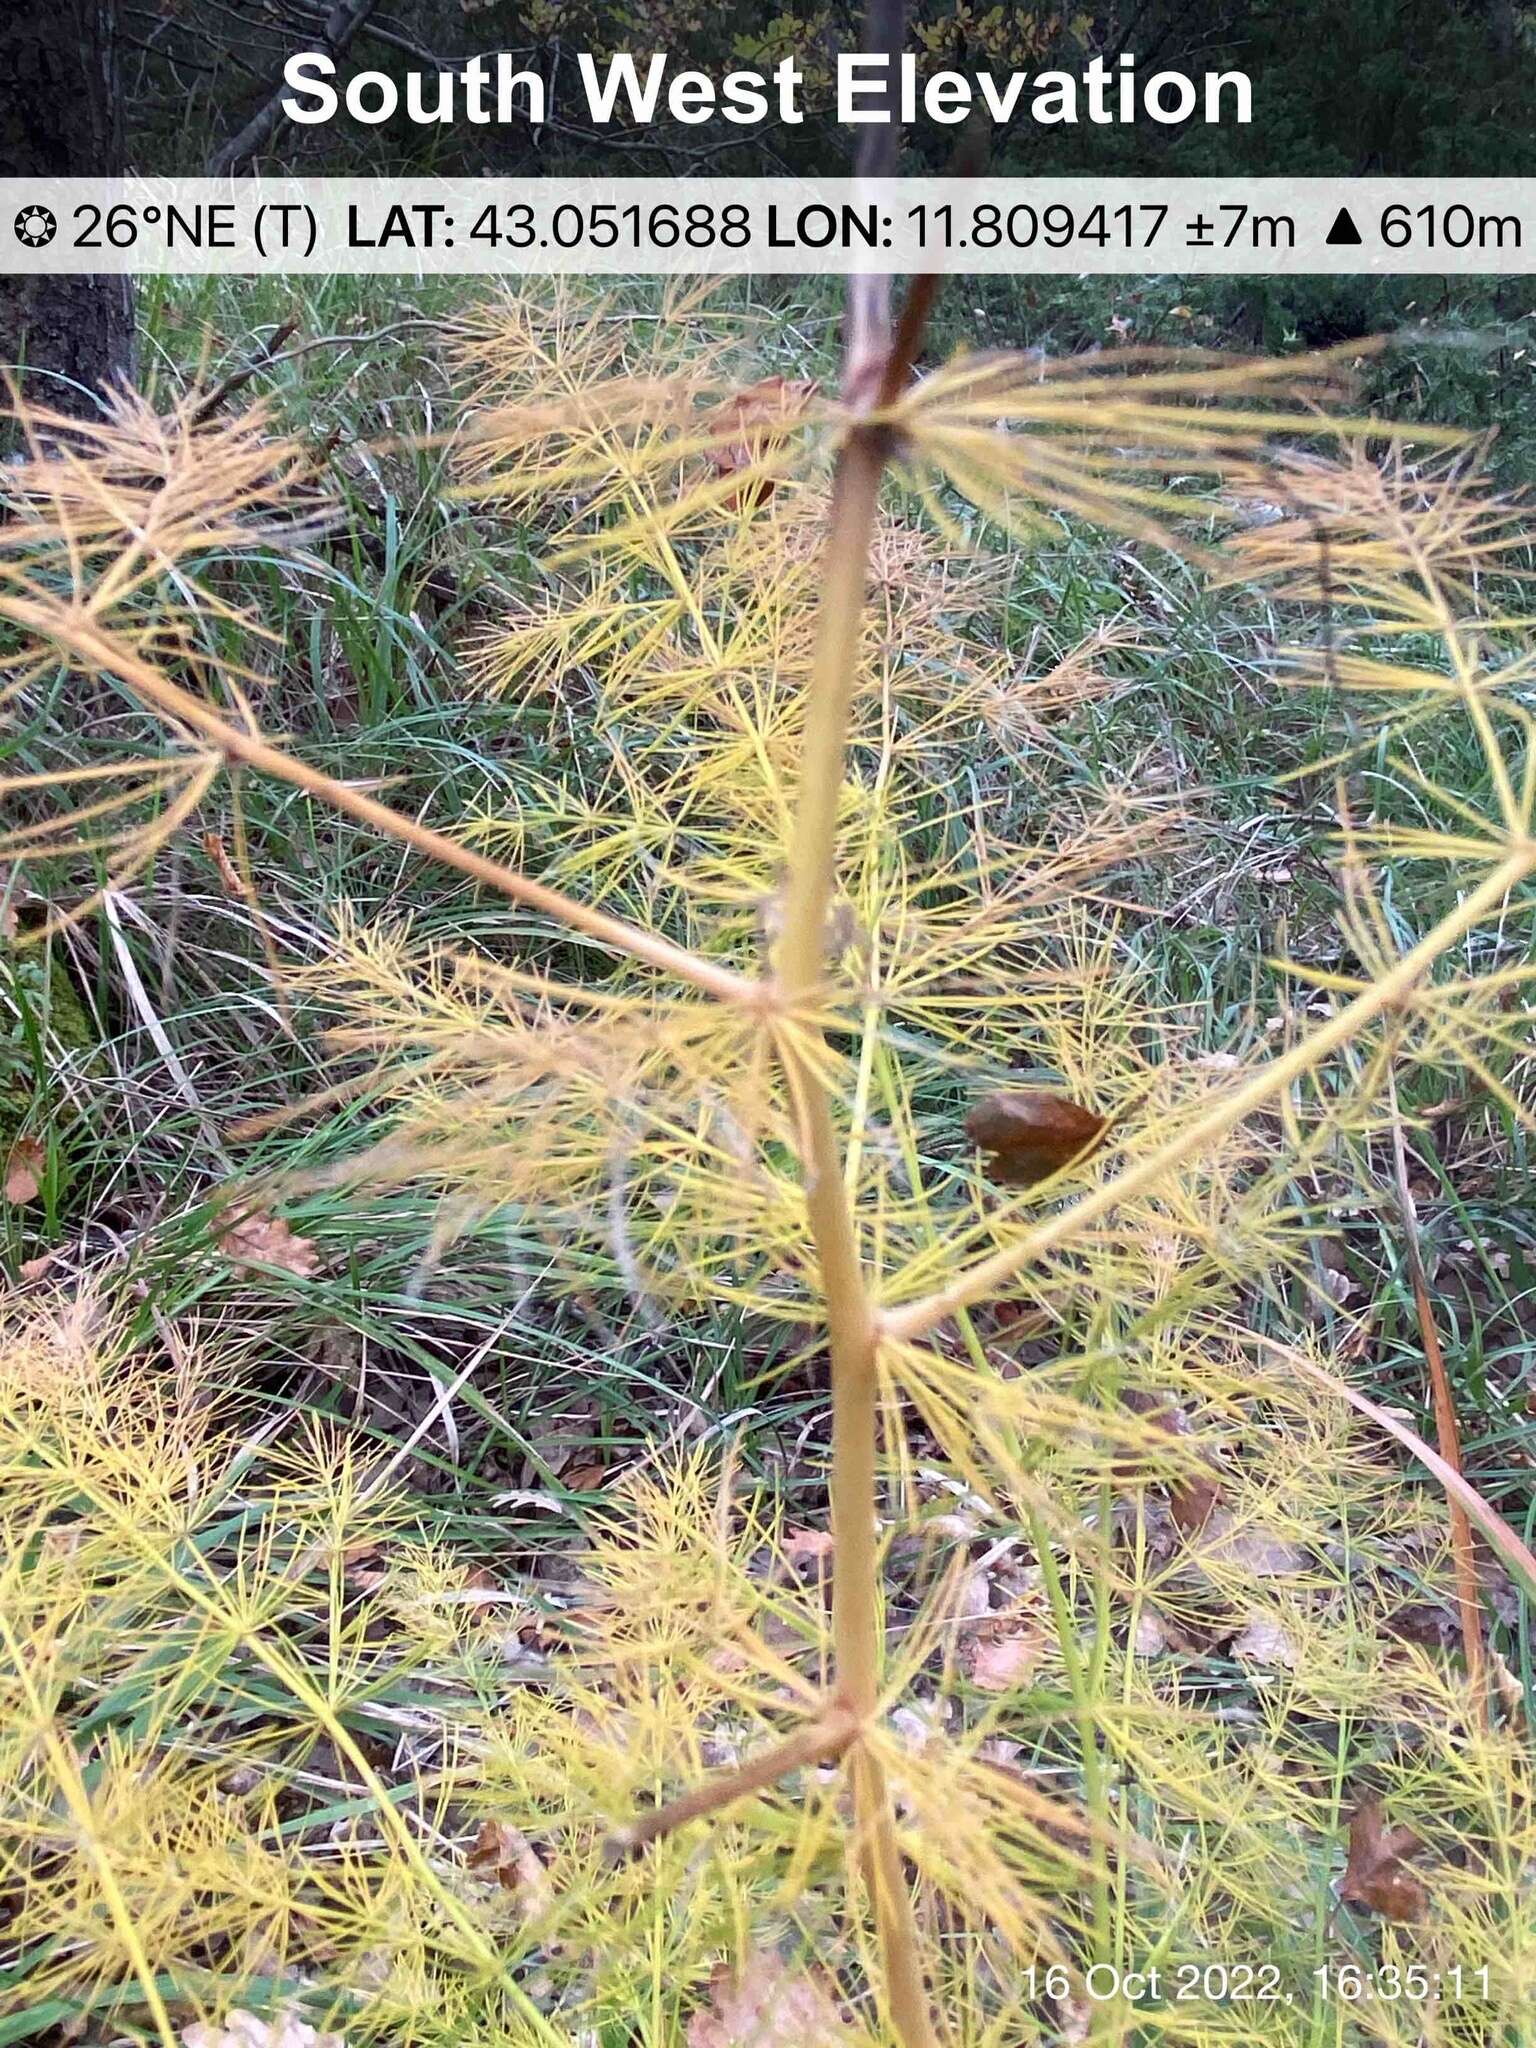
(763, 944)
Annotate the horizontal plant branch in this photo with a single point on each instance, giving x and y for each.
(822, 1740)
(76, 632)
(916, 1319)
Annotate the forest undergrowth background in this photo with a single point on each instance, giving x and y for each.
(415, 1427)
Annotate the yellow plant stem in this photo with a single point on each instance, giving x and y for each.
(915, 1319)
(76, 631)
(906, 1995)
(834, 678)
(851, 1330)
(801, 963)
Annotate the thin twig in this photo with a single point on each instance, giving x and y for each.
(342, 24)
(1447, 1428)
(820, 1741)
(237, 380)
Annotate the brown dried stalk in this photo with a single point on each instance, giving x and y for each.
(820, 1741)
(1511, 1548)
(1447, 1428)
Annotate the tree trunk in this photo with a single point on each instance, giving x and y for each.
(61, 116)
(1503, 30)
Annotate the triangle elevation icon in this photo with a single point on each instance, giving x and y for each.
(1343, 233)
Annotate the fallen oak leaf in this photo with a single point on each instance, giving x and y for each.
(1264, 1640)
(1152, 1635)
(1191, 1502)
(1193, 1497)
(750, 425)
(1376, 1874)
(1031, 1133)
(1242, 1547)
(766, 2005)
(1001, 1663)
(1017, 1321)
(24, 1168)
(255, 1237)
(586, 1477)
(503, 1854)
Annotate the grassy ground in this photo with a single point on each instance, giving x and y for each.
(151, 1031)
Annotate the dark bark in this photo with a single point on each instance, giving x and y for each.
(61, 116)
(1503, 30)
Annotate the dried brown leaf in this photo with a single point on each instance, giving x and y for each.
(241, 2029)
(1265, 1641)
(1376, 1874)
(1192, 1501)
(749, 425)
(807, 1546)
(999, 1663)
(1030, 1133)
(586, 1477)
(255, 1237)
(1226, 1544)
(24, 1170)
(766, 2005)
(1152, 1635)
(503, 1855)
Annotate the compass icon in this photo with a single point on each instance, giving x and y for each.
(35, 227)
